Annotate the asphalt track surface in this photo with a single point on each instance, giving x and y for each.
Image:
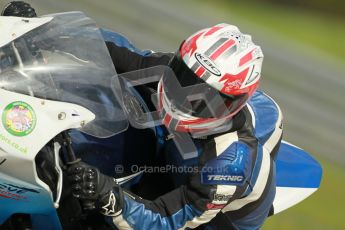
(308, 85)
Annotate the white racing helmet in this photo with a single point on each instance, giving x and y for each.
(226, 63)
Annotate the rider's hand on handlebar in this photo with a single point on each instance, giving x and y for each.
(94, 189)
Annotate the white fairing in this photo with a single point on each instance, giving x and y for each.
(56, 74)
(52, 118)
(13, 27)
(287, 197)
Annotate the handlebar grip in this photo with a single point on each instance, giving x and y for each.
(88, 205)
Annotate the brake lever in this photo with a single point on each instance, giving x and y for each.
(65, 140)
(57, 147)
(87, 205)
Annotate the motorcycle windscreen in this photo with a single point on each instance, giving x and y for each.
(67, 60)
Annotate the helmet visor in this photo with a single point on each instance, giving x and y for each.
(196, 97)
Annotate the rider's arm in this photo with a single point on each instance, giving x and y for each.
(243, 195)
(126, 60)
(186, 206)
(193, 204)
(246, 206)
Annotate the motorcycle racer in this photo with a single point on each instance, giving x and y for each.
(207, 201)
(239, 197)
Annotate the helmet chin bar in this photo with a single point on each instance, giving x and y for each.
(141, 117)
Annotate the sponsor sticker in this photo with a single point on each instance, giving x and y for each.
(221, 197)
(13, 144)
(234, 84)
(214, 206)
(19, 119)
(230, 178)
(208, 64)
(14, 192)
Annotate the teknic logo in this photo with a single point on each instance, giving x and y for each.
(208, 64)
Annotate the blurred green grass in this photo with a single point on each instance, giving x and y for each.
(322, 210)
(317, 30)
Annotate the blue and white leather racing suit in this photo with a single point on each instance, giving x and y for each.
(240, 198)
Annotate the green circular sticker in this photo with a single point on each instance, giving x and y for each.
(19, 118)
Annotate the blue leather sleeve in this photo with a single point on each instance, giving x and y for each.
(232, 167)
(139, 217)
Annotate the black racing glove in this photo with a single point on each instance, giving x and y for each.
(19, 9)
(95, 190)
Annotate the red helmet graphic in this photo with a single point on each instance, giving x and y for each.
(227, 63)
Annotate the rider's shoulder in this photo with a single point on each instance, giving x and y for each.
(266, 115)
(262, 103)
